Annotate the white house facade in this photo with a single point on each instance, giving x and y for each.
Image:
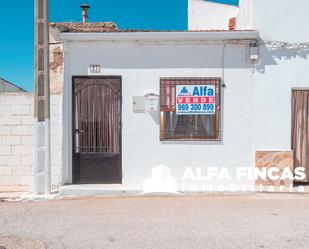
(117, 116)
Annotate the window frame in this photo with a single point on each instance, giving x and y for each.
(166, 106)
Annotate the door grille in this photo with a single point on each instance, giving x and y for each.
(97, 117)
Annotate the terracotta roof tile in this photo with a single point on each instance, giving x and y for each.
(110, 27)
(89, 27)
(232, 23)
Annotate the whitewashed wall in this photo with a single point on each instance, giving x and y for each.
(276, 20)
(280, 70)
(17, 140)
(141, 67)
(204, 15)
(281, 20)
(284, 64)
(256, 102)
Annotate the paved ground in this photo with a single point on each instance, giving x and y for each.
(222, 221)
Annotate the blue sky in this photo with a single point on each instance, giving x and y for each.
(16, 54)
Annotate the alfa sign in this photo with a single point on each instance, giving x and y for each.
(195, 100)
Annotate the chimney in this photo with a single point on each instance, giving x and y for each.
(85, 8)
(232, 24)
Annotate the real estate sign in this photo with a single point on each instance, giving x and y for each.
(195, 100)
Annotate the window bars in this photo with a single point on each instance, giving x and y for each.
(188, 127)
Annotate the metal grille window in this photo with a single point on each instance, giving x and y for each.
(188, 127)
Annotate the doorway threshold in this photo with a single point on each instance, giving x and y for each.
(99, 190)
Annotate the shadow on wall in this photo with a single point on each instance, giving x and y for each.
(191, 55)
(272, 51)
(288, 51)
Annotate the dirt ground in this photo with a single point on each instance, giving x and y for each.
(248, 221)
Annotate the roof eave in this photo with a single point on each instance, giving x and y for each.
(250, 35)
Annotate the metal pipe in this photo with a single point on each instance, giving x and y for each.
(85, 8)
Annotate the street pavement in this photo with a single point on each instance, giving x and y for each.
(270, 221)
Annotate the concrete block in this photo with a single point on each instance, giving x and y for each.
(9, 120)
(10, 160)
(9, 180)
(31, 170)
(11, 140)
(55, 110)
(5, 150)
(5, 130)
(9, 99)
(14, 189)
(32, 130)
(56, 140)
(56, 130)
(26, 99)
(27, 120)
(25, 180)
(31, 107)
(20, 109)
(21, 130)
(5, 171)
(55, 182)
(56, 151)
(22, 150)
(56, 170)
(21, 171)
(56, 161)
(56, 100)
(56, 120)
(27, 160)
(27, 140)
(5, 109)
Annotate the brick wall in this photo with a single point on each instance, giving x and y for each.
(17, 140)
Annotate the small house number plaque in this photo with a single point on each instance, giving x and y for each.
(94, 69)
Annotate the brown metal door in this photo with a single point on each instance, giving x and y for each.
(97, 130)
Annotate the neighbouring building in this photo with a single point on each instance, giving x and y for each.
(8, 87)
(121, 102)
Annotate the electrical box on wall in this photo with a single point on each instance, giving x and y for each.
(139, 103)
(152, 101)
(254, 53)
